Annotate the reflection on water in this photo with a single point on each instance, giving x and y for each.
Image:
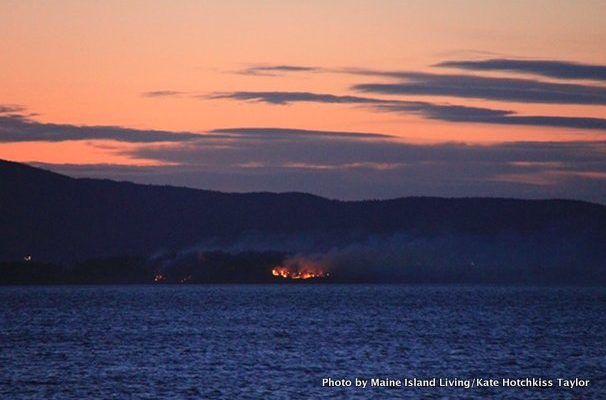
(253, 342)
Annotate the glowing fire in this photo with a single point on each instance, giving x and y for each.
(299, 273)
(158, 277)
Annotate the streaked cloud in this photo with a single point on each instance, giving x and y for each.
(442, 112)
(17, 128)
(548, 68)
(487, 88)
(455, 113)
(298, 133)
(292, 97)
(355, 166)
(276, 70)
(473, 86)
(11, 109)
(163, 93)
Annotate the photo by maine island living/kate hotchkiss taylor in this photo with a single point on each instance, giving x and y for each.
(302, 199)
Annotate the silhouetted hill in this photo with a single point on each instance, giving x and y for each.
(55, 218)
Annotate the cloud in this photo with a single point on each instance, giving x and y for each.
(547, 68)
(299, 133)
(283, 98)
(11, 109)
(442, 112)
(460, 86)
(455, 113)
(346, 166)
(17, 128)
(469, 86)
(163, 93)
(487, 88)
(275, 70)
(277, 147)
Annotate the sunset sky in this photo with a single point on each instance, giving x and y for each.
(345, 99)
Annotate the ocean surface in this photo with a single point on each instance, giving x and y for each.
(280, 341)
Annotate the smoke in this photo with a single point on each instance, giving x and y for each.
(504, 258)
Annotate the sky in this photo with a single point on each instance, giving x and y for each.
(344, 99)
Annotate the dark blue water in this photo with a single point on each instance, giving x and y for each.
(279, 342)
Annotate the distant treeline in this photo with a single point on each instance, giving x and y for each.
(217, 267)
(211, 267)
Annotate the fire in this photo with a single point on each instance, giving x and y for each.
(299, 273)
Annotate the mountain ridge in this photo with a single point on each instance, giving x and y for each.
(58, 218)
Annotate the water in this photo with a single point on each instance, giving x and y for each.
(279, 342)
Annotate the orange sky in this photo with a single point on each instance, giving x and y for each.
(88, 63)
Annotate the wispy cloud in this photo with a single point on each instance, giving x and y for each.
(276, 70)
(442, 112)
(455, 113)
(283, 98)
(487, 88)
(548, 68)
(11, 109)
(296, 133)
(17, 128)
(352, 166)
(514, 90)
(163, 93)
(481, 87)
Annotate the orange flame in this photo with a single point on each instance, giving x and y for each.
(158, 277)
(299, 273)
